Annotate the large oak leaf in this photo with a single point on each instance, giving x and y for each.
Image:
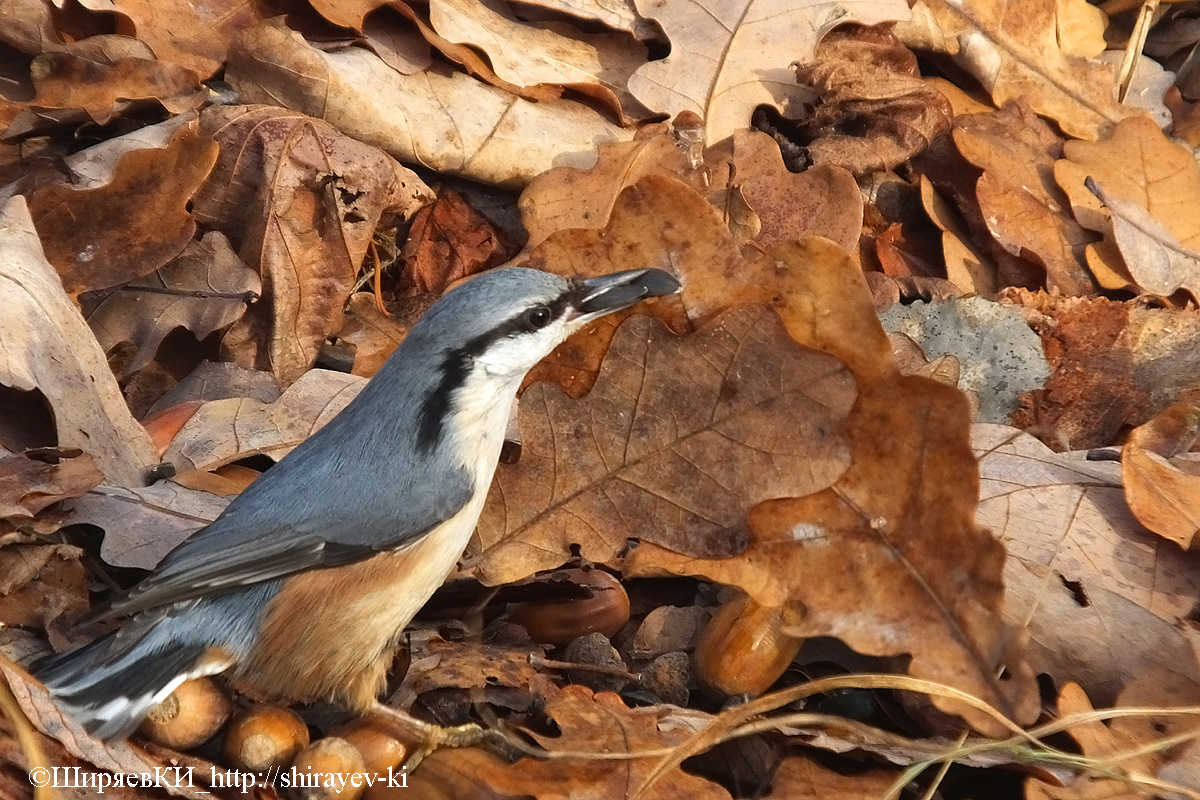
(890, 560)
(678, 437)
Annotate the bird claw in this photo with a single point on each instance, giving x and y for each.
(431, 737)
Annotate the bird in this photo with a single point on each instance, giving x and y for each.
(303, 586)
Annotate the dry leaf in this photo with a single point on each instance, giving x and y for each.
(1146, 88)
(105, 88)
(1154, 258)
(217, 381)
(196, 35)
(890, 559)
(619, 15)
(729, 57)
(131, 226)
(449, 124)
(300, 201)
(1163, 497)
(966, 266)
(30, 28)
(1127, 742)
(204, 289)
(29, 485)
(676, 439)
(1112, 365)
(526, 55)
(867, 84)
(143, 525)
(1024, 208)
(222, 431)
(449, 241)
(1014, 50)
(372, 334)
(1138, 164)
(397, 42)
(1098, 595)
(822, 201)
(802, 778)
(663, 222)
(601, 723)
(566, 197)
(117, 756)
(44, 586)
(46, 345)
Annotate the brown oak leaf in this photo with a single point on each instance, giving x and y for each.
(678, 437)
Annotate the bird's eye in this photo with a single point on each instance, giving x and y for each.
(537, 318)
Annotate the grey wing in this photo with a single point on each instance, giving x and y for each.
(251, 542)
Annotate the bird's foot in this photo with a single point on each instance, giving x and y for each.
(428, 737)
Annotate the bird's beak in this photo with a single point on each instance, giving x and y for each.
(607, 293)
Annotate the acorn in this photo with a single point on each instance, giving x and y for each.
(264, 736)
(189, 716)
(606, 611)
(743, 649)
(379, 747)
(334, 769)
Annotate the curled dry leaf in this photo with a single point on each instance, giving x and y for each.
(1015, 53)
(27, 485)
(967, 267)
(602, 723)
(222, 431)
(105, 88)
(620, 16)
(1162, 496)
(1098, 596)
(1024, 208)
(300, 201)
(1154, 258)
(131, 226)
(30, 28)
(890, 560)
(346, 13)
(204, 289)
(449, 124)
(447, 242)
(676, 439)
(754, 42)
(46, 345)
(397, 43)
(868, 82)
(598, 64)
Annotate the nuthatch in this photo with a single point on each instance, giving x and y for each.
(303, 586)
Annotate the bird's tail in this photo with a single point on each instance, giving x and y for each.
(110, 695)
